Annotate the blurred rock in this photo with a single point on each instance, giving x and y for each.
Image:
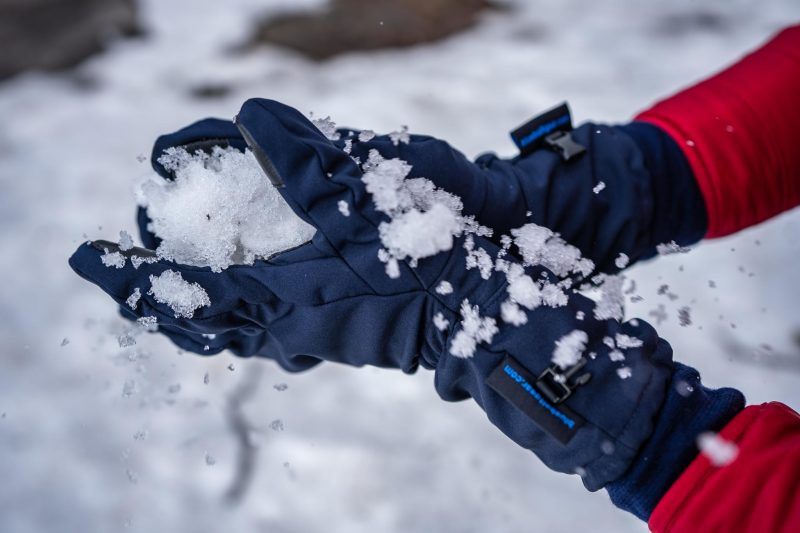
(55, 34)
(359, 25)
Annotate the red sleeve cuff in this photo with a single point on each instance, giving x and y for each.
(739, 132)
(759, 492)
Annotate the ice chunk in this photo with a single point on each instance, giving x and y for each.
(219, 210)
(133, 299)
(112, 259)
(344, 208)
(671, 247)
(569, 348)
(181, 296)
(474, 329)
(440, 322)
(125, 241)
(720, 452)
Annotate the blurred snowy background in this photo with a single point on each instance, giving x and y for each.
(96, 438)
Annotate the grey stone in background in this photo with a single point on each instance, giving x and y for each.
(55, 34)
(360, 25)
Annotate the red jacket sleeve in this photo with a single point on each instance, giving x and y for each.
(739, 132)
(757, 493)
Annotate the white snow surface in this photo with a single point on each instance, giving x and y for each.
(346, 461)
(219, 210)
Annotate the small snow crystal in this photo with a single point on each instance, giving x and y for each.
(181, 296)
(276, 425)
(137, 261)
(366, 135)
(671, 248)
(148, 323)
(612, 302)
(718, 450)
(113, 259)
(133, 299)
(401, 136)
(125, 241)
(280, 387)
(440, 322)
(624, 372)
(327, 127)
(599, 187)
(474, 329)
(622, 261)
(684, 316)
(626, 341)
(64, 342)
(344, 208)
(512, 314)
(219, 210)
(444, 288)
(569, 348)
(210, 460)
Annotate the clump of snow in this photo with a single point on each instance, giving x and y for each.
(626, 341)
(440, 322)
(112, 259)
(719, 451)
(133, 299)
(444, 288)
(478, 258)
(474, 329)
(625, 372)
(611, 303)
(599, 187)
(125, 241)
(219, 210)
(137, 261)
(148, 323)
(344, 208)
(541, 246)
(622, 261)
(671, 247)
(181, 296)
(569, 348)
(513, 314)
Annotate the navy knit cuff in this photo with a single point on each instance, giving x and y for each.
(689, 409)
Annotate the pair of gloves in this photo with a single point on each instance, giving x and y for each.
(330, 299)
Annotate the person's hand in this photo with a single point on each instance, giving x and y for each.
(332, 300)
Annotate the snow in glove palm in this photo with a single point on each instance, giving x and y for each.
(396, 276)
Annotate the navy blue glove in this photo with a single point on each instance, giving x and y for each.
(331, 300)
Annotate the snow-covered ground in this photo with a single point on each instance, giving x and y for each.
(95, 438)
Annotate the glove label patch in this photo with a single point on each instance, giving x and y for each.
(518, 386)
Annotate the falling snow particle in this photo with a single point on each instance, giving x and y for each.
(210, 459)
(718, 450)
(64, 342)
(659, 314)
(206, 379)
(231, 367)
(684, 316)
(276, 425)
(280, 387)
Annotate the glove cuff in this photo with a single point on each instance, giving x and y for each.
(688, 410)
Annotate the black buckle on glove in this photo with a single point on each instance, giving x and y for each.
(554, 383)
(550, 130)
